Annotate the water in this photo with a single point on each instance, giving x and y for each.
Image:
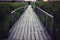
(28, 27)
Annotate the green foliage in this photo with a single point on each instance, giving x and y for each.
(5, 15)
(52, 8)
(17, 14)
(40, 4)
(16, 4)
(6, 8)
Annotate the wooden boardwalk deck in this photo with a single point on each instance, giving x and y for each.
(28, 27)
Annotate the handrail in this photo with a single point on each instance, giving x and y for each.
(46, 19)
(45, 12)
(18, 8)
(13, 15)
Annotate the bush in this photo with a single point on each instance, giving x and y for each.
(5, 14)
(52, 8)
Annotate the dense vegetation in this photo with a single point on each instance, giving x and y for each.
(52, 8)
(5, 15)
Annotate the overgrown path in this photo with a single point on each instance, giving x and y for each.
(28, 27)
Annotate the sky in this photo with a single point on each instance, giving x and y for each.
(45, 0)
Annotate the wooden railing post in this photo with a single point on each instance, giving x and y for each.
(51, 25)
(46, 21)
(34, 5)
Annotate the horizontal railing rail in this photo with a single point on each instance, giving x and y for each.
(19, 8)
(45, 12)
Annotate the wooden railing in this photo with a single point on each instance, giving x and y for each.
(45, 18)
(15, 14)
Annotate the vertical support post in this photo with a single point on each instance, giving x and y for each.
(25, 7)
(46, 21)
(51, 25)
(34, 5)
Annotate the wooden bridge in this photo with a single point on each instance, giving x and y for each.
(29, 27)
